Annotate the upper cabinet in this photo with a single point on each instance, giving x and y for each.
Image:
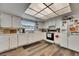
(9, 21)
(5, 20)
(16, 22)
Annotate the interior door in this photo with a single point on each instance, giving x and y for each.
(4, 43)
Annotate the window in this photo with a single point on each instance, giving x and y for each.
(28, 25)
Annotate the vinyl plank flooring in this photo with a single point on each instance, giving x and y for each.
(41, 52)
(35, 50)
(41, 49)
(52, 50)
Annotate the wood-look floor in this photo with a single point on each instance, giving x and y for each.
(41, 49)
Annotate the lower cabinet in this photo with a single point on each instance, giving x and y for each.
(22, 39)
(13, 41)
(30, 38)
(4, 43)
(64, 40)
(73, 42)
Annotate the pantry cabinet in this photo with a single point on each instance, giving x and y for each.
(5, 20)
(4, 43)
(13, 41)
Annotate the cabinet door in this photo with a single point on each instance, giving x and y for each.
(30, 38)
(57, 39)
(5, 20)
(16, 22)
(73, 42)
(22, 39)
(63, 40)
(4, 43)
(13, 41)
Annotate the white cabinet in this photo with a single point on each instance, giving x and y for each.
(31, 38)
(73, 42)
(34, 37)
(16, 22)
(40, 25)
(22, 39)
(38, 35)
(10, 21)
(64, 40)
(13, 41)
(4, 43)
(5, 20)
(57, 38)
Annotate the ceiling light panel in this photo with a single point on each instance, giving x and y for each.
(44, 17)
(30, 12)
(52, 15)
(48, 4)
(46, 11)
(58, 6)
(37, 6)
(63, 11)
(39, 15)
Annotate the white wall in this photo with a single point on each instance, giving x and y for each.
(54, 21)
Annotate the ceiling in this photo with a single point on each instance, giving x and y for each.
(47, 10)
(35, 11)
(17, 9)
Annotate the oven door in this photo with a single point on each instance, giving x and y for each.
(50, 36)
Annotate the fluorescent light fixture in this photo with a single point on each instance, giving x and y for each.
(47, 4)
(52, 15)
(63, 11)
(44, 17)
(37, 6)
(30, 12)
(41, 11)
(39, 15)
(46, 11)
(58, 6)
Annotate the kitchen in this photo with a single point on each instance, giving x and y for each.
(40, 29)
